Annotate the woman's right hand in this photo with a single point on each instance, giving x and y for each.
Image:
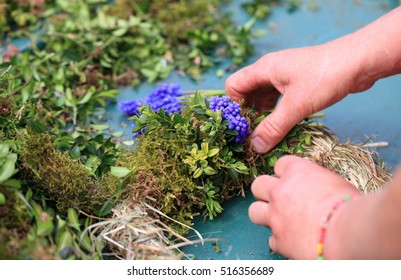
(309, 80)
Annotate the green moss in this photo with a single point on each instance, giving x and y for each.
(178, 16)
(63, 179)
(162, 179)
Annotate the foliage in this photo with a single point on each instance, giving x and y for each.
(132, 40)
(22, 14)
(52, 90)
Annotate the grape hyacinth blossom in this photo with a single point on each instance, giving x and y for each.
(163, 97)
(231, 111)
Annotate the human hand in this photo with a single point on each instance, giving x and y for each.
(310, 79)
(293, 202)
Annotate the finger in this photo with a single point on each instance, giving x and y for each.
(259, 213)
(273, 243)
(286, 164)
(276, 126)
(247, 81)
(260, 187)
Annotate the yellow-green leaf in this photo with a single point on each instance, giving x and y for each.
(213, 152)
(118, 171)
(198, 172)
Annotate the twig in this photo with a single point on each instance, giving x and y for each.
(376, 144)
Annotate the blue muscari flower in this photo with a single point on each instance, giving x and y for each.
(163, 97)
(130, 107)
(231, 112)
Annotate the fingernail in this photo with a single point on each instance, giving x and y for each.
(259, 144)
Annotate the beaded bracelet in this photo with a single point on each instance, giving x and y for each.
(325, 221)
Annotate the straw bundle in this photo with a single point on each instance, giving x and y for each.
(358, 164)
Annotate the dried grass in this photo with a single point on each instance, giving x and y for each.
(134, 233)
(359, 164)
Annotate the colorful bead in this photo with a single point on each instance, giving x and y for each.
(319, 249)
(325, 220)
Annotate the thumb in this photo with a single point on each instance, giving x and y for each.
(276, 126)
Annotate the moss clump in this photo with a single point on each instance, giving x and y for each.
(63, 179)
(159, 179)
(178, 16)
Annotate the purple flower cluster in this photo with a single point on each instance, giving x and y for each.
(231, 112)
(164, 97)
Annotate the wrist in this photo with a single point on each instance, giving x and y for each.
(347, 65)
(333, 229)
(375, 50)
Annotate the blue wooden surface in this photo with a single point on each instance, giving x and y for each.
(375, 112)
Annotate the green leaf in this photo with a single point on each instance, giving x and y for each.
(198, 110)
(63, 240)
(198, 172)
(233, 173)
(118, 171)
(213, 152)
(205, 147)
(220, 73)
(308, 140)
(109, 93)
(217, 206)
(86, 242)
(75, 152)
(73, 219)
(44, 227)
(272, 161)
(2, 199)
(119, 32)
(8, 168)
(104, 209)
(37, 126)
(209, 171)
(239, 148)
(259, 119)
(87, 97)
(100, 127)
(70, 100)
(148, 73)
(231, 132)
(12, 183)
(60, 223)
(177, 118)
(254, 171)
(129, 143)
(117, 134)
